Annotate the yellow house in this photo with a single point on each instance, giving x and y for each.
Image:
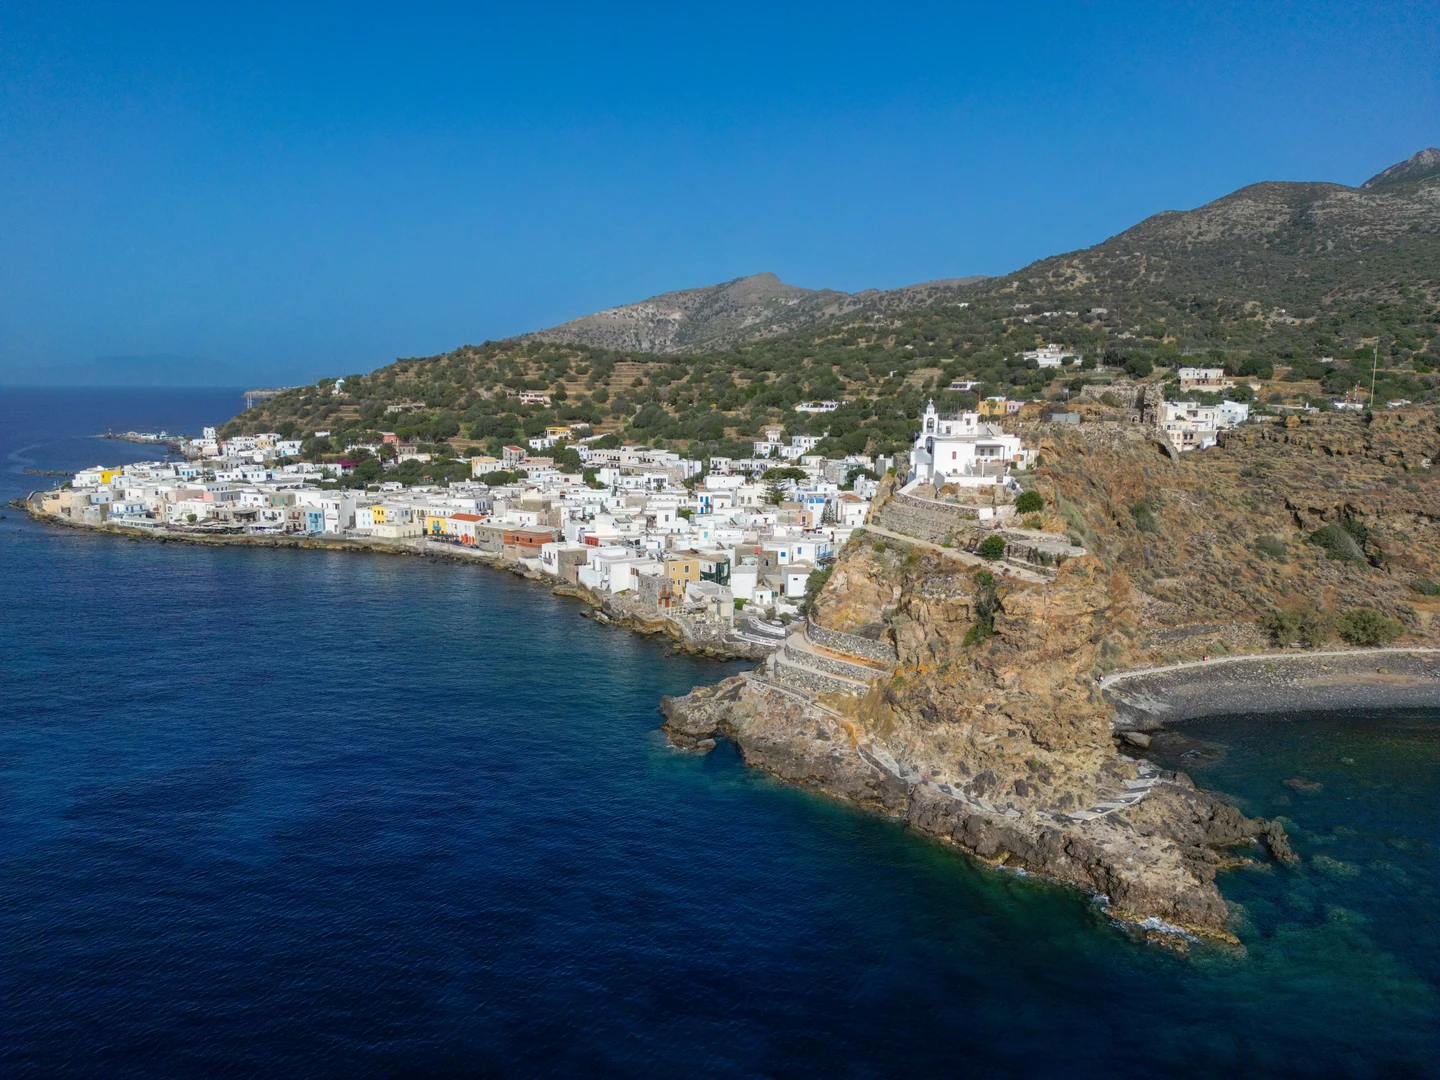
(377, 514)
(108, 475)
(993, 406)
(437, 524)
(681, 570)
(557, 431)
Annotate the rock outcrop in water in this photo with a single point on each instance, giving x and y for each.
(971, 705)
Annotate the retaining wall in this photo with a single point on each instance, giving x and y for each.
(814, 681)
(926, 519)
(916, 523)
(851, 644)
(832, 665)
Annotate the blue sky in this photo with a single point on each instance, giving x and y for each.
(277, 192)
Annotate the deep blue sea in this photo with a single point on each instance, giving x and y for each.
(291, 813)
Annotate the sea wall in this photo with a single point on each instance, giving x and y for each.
(1304, 682)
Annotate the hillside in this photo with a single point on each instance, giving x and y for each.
(1298, 286)
(990, 706)
(1277, 248)
(746, 309)
(1417, 167)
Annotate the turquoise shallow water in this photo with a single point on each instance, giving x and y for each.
(297, 813)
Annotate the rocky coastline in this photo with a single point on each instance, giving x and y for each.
(1153, 864)
(1111, 857)
(1025, 748)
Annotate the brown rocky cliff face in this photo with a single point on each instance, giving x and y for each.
(1014, 722)
(1200, 581)
(1017, 722)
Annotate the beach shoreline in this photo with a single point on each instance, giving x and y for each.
(1324, 680)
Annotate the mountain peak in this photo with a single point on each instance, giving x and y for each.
(742, 309)
(1424, 164)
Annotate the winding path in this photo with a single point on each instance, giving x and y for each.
(1006, 569)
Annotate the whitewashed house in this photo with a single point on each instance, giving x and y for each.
(961, 450)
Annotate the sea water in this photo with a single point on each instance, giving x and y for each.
(300, 813)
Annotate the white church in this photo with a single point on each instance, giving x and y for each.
(960, 450)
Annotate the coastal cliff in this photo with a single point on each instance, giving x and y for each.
(971, 704)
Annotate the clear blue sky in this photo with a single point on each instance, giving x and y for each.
(292, 190)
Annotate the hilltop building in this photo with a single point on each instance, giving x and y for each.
(1204, 378)
(962, 450)
(1051, 356)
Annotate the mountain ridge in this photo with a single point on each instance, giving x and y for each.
(1306, 288)
(1292, 242)
(1416, 167)
(742, 309)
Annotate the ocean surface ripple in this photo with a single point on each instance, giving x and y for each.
(294, 813)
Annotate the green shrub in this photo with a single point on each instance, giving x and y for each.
(879, 548)
(978, 634)
(1337, 543)
(1029, 502)
(1284, 626)
(813, 584)
(992, 547)
(1425, 587)
(1035, 523)
(1309, 626)
(1316, 627)
(1367, 626)
(1144, 517)
(987, 602)
(1139, 366)
(1109, 398)
(1272, 547)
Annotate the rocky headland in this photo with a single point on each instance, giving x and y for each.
(993, 711)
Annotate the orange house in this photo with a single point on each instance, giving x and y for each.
(526, 543)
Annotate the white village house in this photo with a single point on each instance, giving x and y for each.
(961, 450)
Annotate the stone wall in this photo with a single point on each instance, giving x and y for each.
(805, 679)
(851, 644)
(955, 511)
(1127, 392)
(920, 518)
(831, 665)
